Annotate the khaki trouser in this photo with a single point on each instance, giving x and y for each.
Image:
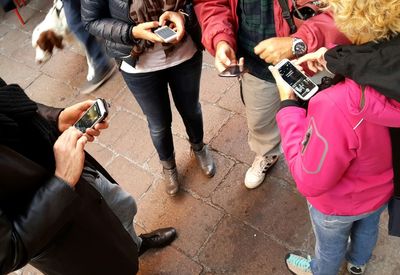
(262, 103)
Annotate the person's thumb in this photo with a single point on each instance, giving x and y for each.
(275, 72)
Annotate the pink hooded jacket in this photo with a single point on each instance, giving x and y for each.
(339, 153)
(219, 22)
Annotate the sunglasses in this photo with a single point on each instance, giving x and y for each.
(304, 13)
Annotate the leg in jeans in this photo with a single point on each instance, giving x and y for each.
(332, 234)
(151, 92)
(262, 103)
(364, 236)
(120, 202)
(184, 81)
(94, 49)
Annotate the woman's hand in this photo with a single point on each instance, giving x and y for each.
(70, 115)
(315, 61)
(144, 31)
(285, 91)
(177, 23)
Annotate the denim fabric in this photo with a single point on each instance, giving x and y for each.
(151, 92)
(94, 49)
(121, 203)
(332, 235)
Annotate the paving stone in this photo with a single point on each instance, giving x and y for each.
(232, 101)
(132, 178)
(212, 86)
(193, 219)
(68, 67)
(127, 102)
(40, 5)
(32, 18)
(4, 29)
(51, 92)
(236, 248)
(280, 170)
(134, 146)
(213, 119)
(208, 59)
(102, 154)
(265, 206)
(12, 41)
(167, 261)
(232, 140)
(13, 72)
(25, 53)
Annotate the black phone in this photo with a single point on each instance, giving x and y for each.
(232, 71)
(95, 114)
(302, 85)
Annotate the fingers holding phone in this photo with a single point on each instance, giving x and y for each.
(69, 155)
(94, 115)
(177, 24)
(145, 31)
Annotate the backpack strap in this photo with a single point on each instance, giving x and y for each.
(287, 15)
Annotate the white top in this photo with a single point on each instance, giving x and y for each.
(155, 59)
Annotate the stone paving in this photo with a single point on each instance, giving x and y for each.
(223, 227)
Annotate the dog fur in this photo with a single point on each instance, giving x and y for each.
(53, 32)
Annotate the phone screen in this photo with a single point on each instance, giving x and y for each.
(165, 33)
(296, 79)
(91, 116)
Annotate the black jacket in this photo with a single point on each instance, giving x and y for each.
(46, 223)
(110, 20)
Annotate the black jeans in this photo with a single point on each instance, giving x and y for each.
(151, 92)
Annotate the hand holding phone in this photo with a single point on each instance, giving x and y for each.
(95, 114)
(166, 34)
(302, 86)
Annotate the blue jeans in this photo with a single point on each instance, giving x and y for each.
(332, 235)
(94, 49)
(151, 92)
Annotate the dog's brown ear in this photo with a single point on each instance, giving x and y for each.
(55, 39)
(44, 43)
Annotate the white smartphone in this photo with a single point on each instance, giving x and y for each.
(166, 34)
(95, 114)
(302, 85)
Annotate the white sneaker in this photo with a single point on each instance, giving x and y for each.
(355, 269)
(256, 173)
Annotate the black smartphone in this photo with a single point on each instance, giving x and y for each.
(166, 34)
(95, 114)
(302, 86)
(231, 71)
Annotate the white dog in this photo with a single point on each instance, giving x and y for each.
(52, 33)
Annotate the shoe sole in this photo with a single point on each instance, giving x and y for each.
(267, 167)
(94, 87)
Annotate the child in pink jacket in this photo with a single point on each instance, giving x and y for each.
(339, 152)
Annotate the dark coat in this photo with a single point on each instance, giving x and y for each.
(58, 230)
(110, 20)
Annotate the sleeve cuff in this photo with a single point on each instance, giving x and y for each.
(289, 102)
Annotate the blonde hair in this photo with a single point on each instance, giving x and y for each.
(366, 20)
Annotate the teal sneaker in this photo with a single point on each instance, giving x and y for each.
(298, 265)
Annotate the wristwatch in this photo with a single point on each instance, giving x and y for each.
(299, 48)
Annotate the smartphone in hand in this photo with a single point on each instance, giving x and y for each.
(95, 114)
(302, 85)
(166, 34)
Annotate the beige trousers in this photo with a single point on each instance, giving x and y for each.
(262, 103)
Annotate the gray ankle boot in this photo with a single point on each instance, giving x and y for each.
(170, 177)
(204, 158)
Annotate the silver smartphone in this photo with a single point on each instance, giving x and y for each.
(302, 85)
(166, 34)
(95, 114)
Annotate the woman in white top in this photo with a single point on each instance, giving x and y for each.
(149, 66)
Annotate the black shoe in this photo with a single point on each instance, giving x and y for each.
(157, 239)
(98, 79)
(205, 160)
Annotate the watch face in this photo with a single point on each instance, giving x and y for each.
(300, 48)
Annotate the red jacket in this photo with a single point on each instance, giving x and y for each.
(219, 21)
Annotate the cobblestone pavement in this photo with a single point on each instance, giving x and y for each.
(223, 228)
